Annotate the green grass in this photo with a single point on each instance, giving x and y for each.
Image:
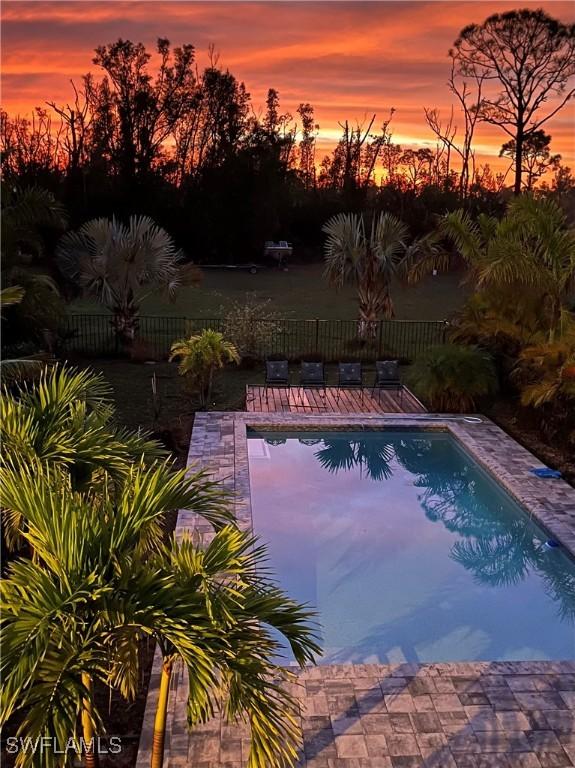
(132, 386)
(300, 293)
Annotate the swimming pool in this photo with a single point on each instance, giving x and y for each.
(408, 549)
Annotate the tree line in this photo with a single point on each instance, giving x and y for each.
(164, 137)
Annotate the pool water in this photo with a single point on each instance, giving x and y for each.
(408, 549)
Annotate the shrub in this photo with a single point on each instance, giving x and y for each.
(201, 355)
(250, 326)
(453, 378)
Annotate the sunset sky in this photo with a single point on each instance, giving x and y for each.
(348, 59)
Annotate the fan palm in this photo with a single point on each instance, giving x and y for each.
(369, 455)
(201, 355)
(369, 261)
(25, 212)
(119, 265)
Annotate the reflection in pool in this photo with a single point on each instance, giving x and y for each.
(408, 549)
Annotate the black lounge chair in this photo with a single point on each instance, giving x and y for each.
(277, 375)
(387, 377)
(350, 376)
(312, 375)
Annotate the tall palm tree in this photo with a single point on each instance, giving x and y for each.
(120, 264)
(242, 605)
(76, 615)
(67, 613)
(369, 260)
(200, 356)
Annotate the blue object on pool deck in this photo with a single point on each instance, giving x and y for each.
(545, 472)
(552, 544)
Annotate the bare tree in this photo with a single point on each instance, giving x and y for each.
(30, 146)
(447, 132)
(76, 121)
(531, 57)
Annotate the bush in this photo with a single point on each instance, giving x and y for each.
(200, 356)
(453, 378)
(250, 326)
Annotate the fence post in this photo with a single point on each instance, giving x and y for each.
(444, 334)
(316, 335)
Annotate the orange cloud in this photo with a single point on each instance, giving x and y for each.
(348, 59)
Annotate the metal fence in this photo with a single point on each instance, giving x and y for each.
(332, 340)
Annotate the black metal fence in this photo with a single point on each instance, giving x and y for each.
(333, 340)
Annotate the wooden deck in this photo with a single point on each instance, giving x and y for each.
(300, 400)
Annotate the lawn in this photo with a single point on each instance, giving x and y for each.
(299, 293)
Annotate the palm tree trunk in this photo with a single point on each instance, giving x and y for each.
(89, 741)
(161, 716)
(210, 384)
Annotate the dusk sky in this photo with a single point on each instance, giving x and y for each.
(348, 59)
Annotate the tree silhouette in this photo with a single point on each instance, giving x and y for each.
(537, 157)
(531, 56)
(372, 456)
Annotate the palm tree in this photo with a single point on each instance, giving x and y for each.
(67, 419)
(26, 213)
(13, 369)
(69, 614)
(242, 606)
(545, 374)
(530, 248)
(119, 265)
(452, 378)
(75, 615)
(369, 261)
(199, 356)
(370, 455)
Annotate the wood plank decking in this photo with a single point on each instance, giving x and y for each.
(301, 400)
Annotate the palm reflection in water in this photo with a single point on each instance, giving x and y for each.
(497, 548)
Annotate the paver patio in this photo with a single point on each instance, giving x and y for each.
(460, 715)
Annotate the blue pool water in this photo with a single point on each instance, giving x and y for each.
(408, 550)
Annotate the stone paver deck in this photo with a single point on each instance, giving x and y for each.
(463, 715)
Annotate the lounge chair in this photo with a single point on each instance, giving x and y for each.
(312, 375)
(350, 376)
(277, 375)
(387, 377)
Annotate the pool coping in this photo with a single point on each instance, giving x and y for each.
(219, 444)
